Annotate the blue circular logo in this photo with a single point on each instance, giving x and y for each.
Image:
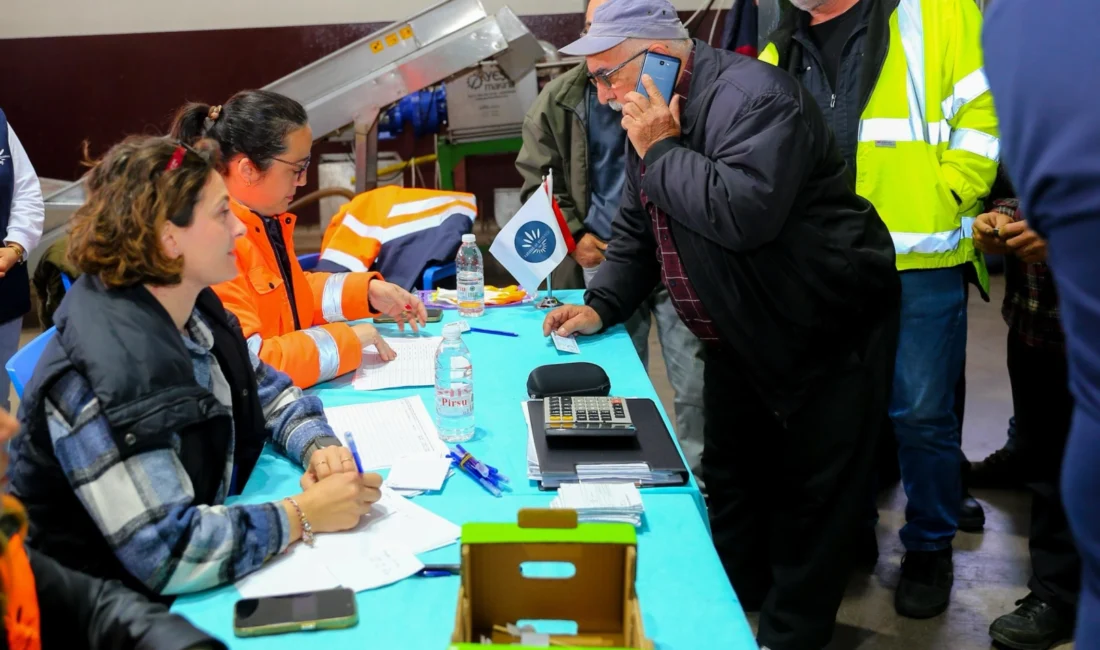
(535, 242)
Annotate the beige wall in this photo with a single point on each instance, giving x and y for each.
(35, 18)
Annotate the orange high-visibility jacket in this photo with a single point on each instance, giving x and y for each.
(415, 227)
(326, 346)
(17, 586)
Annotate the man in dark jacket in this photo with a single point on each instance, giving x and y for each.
(736, 198)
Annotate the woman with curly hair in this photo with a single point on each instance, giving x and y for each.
(147, 408)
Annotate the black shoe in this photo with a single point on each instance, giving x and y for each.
(1034, 625)
(971, 515)
(1001, 470)
(925, 587)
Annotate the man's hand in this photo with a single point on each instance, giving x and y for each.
(1024, 243)
(589, 251)
(9, 257)
(568, 319)
(983, 235)
(647, 121)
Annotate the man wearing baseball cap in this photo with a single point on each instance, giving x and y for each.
(736, 198)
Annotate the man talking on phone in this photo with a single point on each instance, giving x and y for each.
(736, 198)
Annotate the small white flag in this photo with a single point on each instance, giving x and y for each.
(535, 240)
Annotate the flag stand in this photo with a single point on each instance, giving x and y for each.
(549, 301)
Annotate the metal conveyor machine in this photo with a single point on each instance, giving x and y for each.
(354, 84)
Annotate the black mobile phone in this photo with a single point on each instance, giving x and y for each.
(315, 610)
(435, 314)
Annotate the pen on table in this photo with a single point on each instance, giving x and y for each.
(439, 570)
(354, 451)
(479, 467)
(489, 486)
(482, 330)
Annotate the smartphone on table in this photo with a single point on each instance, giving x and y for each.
(435, 314)
(315, 610)
(664, 70)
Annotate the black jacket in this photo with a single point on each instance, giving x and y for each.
(860, 67)
(127, 347)
(78, 611)
(793, 267)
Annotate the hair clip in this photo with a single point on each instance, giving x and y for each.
(177, 158)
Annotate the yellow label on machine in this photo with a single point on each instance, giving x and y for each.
(391, 39)
(406, 32)
(377, 47)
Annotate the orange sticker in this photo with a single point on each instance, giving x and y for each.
(391, 39)
(406, 32)
(377, 47)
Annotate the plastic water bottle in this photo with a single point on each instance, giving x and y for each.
(470, 280)
(454, 387)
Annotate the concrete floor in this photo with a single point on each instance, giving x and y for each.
(991, 569)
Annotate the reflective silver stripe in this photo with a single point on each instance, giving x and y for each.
(896, 129)
(912, 41)
(254, 343)
(332, 298)
(327, 352)
(350, 262)
(933, 242)
(976, 142)
(968, 89)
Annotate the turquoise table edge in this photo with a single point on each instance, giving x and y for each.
(669, 566)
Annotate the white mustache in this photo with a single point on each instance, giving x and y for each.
(615, 106)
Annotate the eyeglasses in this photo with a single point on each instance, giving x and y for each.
(299, 168)
(605, 76)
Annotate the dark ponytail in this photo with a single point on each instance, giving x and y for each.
(253, 123)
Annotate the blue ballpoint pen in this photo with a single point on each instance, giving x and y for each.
(482, 469)
(354, 451)
(497, 332)
(485, 483)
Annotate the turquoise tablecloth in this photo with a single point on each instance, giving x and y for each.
(685, 596)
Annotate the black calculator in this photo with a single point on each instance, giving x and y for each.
(587, 416)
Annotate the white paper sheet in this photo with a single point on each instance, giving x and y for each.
(379, 551)
(419, 472)
(414, 365)
(387, 431)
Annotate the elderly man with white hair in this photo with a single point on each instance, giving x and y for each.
(736, 197)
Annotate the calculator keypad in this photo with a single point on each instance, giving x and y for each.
(580, 414)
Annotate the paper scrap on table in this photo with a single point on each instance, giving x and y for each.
(419, 472)
(414, 365)
(379, 551)
(387, 431)
(608, 502)
(565, 343)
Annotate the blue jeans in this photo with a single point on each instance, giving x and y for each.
(931, 347)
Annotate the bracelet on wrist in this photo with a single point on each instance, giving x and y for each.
(307, 530)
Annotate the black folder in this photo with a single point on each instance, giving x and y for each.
(653, 445)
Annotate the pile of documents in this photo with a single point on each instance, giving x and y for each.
(381, 550)
(602, 502)
(386, 432)
(414, 365)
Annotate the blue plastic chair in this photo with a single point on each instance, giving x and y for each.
(433, 274)
(309, 262)
(21, 365)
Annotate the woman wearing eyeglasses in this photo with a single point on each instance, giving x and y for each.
(294, 320)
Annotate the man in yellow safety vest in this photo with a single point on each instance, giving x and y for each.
(902, 85)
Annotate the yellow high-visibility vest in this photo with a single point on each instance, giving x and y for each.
(929, 134)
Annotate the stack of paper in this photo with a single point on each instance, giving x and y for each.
(414, 365)
(419, 472)
(604, 502)
(380, 550)
(387, 431)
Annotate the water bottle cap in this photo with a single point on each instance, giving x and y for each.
(469, 239)
(452, 331)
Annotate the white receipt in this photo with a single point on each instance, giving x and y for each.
(565, 343)
(419, 472)
(386, 431)
(414, 365)
(379, 551)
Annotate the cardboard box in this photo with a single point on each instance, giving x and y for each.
(598, 597)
